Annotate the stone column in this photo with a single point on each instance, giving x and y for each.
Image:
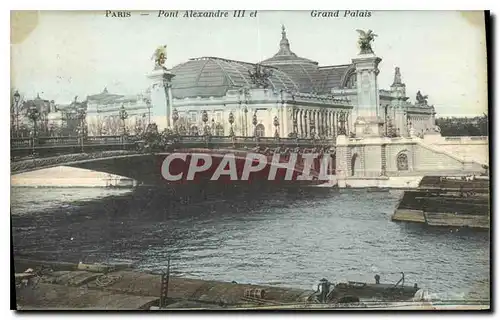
(328, 123)
(299, 123)
(325, 123)
(334, 123)
(287, 119)
(366, 114)
(318, 122)
(161, 97)
(306, 121)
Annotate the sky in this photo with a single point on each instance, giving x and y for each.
(61, 55)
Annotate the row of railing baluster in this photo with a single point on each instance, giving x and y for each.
(119, 140)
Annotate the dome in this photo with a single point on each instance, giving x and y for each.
(213, 77)
(303, 71)
(285, 55)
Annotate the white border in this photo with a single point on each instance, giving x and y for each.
(187, 4)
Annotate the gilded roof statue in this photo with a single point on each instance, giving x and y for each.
(365, 39)
(160, 56)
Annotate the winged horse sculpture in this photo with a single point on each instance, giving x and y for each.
(365, 39)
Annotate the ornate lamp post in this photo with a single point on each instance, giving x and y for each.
(144, 125)
(175, 117)
(246, 93)
(123, 116)
(276, 125)
(15, 123)
(148, 104)
(386, 118)
(81, 114)
(231, 121)
(34, 115)
(254, 122)
(204, 118)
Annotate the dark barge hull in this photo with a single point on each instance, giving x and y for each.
(441, 202)
(377, 291)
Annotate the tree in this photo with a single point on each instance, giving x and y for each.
(476, 126)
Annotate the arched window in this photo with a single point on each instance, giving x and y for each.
(219, 130)
(351, 82)
(194, 131)
(260, 131)
(402, 162)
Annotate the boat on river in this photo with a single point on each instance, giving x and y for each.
(353, 291)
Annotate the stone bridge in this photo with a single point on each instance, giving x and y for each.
(353, 158)
(127, 156)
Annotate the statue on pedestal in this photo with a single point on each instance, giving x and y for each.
(365, 39)
(160, 56)
(421, 99)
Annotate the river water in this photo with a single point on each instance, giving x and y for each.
(288, 238)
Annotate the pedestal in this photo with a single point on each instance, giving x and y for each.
(367, 109)
(161, 97)
(371, 127)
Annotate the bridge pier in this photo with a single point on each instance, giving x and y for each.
(161, 98)
(383, 157)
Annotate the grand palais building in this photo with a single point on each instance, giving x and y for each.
(285, 95)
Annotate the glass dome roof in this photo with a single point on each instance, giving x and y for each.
(211, 76)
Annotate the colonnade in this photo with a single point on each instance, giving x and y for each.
(323, 123)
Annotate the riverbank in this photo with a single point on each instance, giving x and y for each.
(68, 286)
(410, 182)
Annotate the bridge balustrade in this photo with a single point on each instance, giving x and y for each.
(106, 139)
(54, 141)
(54, 146)
(20, 142)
